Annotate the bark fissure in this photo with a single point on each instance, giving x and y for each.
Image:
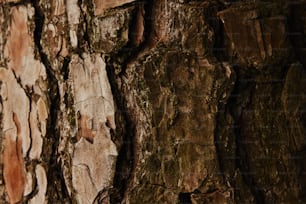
(56, 190)
(184, 198)
(164, 101)
(124, 164)
(236, 109)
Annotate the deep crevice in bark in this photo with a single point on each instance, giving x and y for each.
(297, 28)
(21, 2)
(31, 166)
(239, 158)
(56, 190)
(84, 44)
(65, 68)
(122, 56)
(239, 101)
(124, 163)
(125, 160)
(185, 198)
(236, 104)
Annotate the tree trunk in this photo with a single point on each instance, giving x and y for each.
(164, 101)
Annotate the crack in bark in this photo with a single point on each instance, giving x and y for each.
(30, 167)
(185, 198)
(84, 44)
(233, 107)
(124, 163)
(56, 190)
(236, 108)
(19, 3)
(28, 94)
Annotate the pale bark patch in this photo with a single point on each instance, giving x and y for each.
(101, 5)
(94, 155)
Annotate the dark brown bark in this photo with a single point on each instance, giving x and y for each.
(164, 101)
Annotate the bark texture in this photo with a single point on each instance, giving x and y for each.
(164, 101)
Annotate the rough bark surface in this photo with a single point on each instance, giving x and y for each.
(164, 101)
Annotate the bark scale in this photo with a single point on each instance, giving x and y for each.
(165, 101)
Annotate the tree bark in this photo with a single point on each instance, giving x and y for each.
(164, 101)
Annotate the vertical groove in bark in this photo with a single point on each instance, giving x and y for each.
(124, 137)
(241, 161)
(56, 190)
(164, 101)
